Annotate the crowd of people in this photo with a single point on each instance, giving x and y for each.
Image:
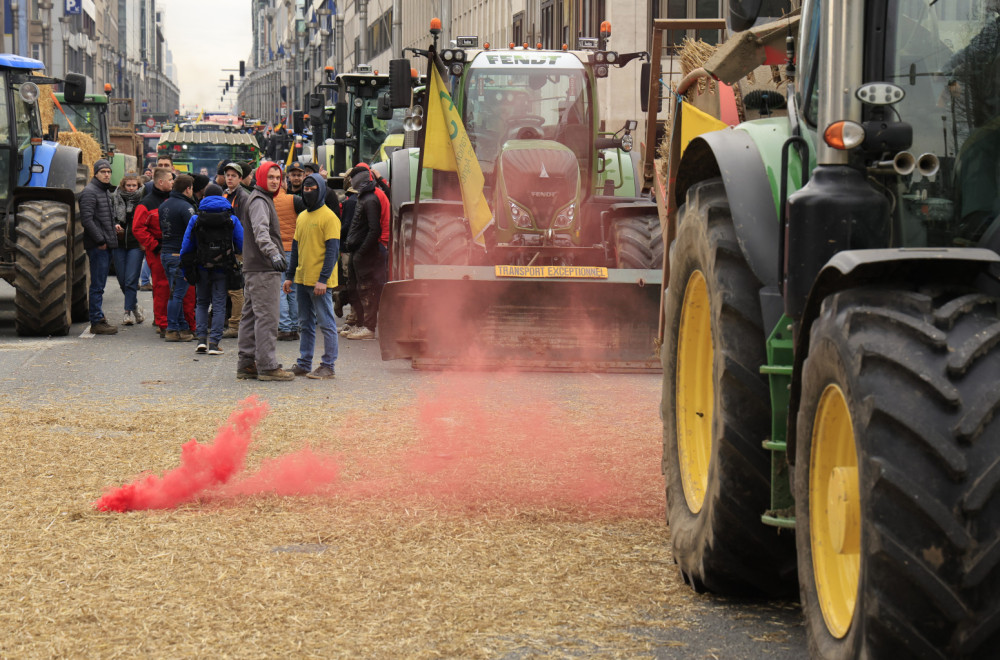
(256, 254)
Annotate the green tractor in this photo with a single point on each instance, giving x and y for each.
(831, 342)
(568, 276)
(91, 117)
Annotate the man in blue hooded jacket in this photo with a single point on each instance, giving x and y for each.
(312, 270)
(210, 263)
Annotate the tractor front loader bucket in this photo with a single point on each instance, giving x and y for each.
(472, 317)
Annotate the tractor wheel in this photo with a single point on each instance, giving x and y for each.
(81, 273)
(441, 240)
(716, 411)
(898, 447)
(639, 243)
(42, 269)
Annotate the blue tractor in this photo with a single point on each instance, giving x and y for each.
(42, 253)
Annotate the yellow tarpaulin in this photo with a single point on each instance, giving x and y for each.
(447, 148)
(694, 122)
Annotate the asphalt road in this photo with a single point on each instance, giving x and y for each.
(135, 370)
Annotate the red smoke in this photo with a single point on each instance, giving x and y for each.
(465, 454)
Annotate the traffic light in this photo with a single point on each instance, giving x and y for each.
(243, 68)
(230, 80)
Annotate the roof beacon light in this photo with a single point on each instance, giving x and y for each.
(605, 29)
(435, 26)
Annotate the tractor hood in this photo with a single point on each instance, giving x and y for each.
(541, 177)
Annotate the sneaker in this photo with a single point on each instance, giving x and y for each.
(128, 319)
(186, 335)
(213, 349)
(299, 371)
(230, 333)
(146, 287)
(138, 314)
(172, 335)
(102, 327)
(247, 373)
(202, 345)
(275, 374)
(346, 330)
(322, 372)
(361, 333)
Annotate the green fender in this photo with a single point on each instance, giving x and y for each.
(620, 168)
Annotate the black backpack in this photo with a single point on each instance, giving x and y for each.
(213, 232)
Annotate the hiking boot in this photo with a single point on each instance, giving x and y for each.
(129, 318)
(162, 332)
(288, 336)
(213, 349)
(230, 333)
(202, 345)
(186, 335)
(299, 371)
(102, 327)
(247, 373)
(146, 287)
(361, 333)
(138, 314)
(322, 372)
(275, 374)
(172, 335)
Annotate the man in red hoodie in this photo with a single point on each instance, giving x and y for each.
(146, 229)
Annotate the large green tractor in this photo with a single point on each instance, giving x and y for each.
(832, 332)
(570, 266)
(91, 117)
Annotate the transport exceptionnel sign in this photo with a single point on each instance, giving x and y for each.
(586, 272)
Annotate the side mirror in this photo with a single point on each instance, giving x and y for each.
(644, 72)
(400, 85)
(340, 123)
(74, 88)
(384, 109)
(124, 113)
(316, 103)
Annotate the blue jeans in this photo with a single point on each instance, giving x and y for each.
(313, 311)
(178, 289)
(128, 263)
(145, 276)
(100, 264)
(211, 290)
(288, 320)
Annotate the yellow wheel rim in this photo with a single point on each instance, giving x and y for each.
(695, 395)
(835, 511)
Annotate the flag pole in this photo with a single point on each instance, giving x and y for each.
(431, 61)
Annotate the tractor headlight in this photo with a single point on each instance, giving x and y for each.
(28, 92)
(565, 217)
(520, 216)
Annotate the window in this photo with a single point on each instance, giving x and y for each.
(688, 9)
(517, 33)
(36, 51)
(548, 14)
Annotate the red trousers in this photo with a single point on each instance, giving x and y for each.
(161, 294)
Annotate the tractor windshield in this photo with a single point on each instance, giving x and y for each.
(946, 57)
(85, 117)
(373, 131)
(5, 147)
(527, 103)
(26, 122)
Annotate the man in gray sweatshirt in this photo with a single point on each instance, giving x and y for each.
(263, 265)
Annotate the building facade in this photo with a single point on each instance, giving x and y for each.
(116, 42)
(294, 40)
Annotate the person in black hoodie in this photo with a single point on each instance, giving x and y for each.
(128, 255)
(367, 266)
(175, 214)
(99, 239)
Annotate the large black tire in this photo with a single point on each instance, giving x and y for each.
(42, 268)
(441, 240)
(81, 274)
(720, 543)
(639, 242)
(913, 373)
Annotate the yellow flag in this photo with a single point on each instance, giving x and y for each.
(447, 148)
(694, 122)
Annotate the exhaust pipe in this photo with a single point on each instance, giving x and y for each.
(928, 164)
(904, 163)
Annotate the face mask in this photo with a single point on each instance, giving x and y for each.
(311, 197)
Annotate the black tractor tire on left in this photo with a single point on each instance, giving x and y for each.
(42, 279)
(639, 242)
(720, 544)
(915, 368)
(81, 273)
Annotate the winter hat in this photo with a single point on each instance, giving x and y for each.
(213, 189)
(101, 164)
(200, 181)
